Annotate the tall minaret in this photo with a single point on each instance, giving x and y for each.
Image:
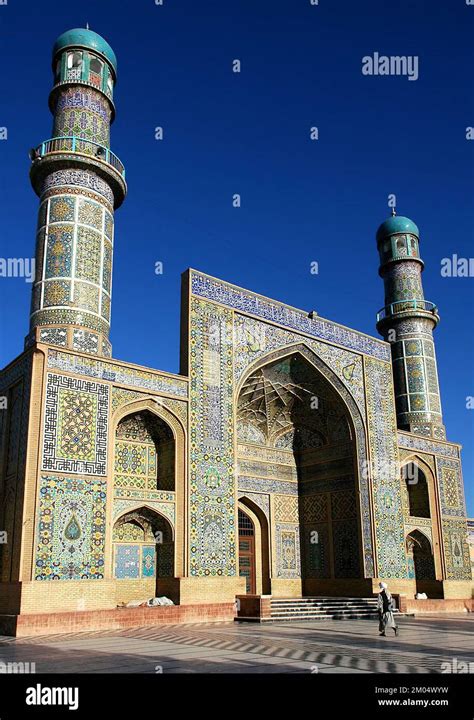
(80, 182)
(407, 322)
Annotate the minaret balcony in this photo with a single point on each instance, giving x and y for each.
(66, 151)
(420, 308)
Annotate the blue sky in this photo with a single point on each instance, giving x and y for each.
(248, 133)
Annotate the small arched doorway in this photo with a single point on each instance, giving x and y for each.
(421, 564)
(247, 567)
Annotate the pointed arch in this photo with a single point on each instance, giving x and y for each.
(357, 428)
(262, 543)
(153, 405)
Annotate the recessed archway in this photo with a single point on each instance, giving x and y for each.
(289, 409)
(143, 546)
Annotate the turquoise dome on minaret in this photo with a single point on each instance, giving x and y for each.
(85, 38)
(397, 224)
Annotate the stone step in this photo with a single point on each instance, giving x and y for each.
(323, 608)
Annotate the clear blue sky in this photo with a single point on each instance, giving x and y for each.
(248, 133)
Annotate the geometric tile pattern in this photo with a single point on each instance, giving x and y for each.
(254, 339)
(428, 445)
(261, 307)
(71, 528)
(111, 372)
(75, 426)
(127, 561)
(288, 563)
(387, 506)
(211, 481)
(451, 487)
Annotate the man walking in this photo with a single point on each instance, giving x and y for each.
(385, 610)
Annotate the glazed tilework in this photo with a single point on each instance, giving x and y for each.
(285, 508)
(359, 425)
(451, 487)
(75, 426)
(427, 445)
(288, 564)
(259, 485)
(85, 341)
(211, 481)
(127, 561)
(260, 499)
(83, 116)
(53, 336)
(70, 541)
(59, 251)
(86, 296)
(456, 549)
(90, 213)
(111, 372)
(78, 178)
(248, 302)
(78, 267)
(122, 506)
(121, 397)
(88, 252)
(254, 339)
(387, 506)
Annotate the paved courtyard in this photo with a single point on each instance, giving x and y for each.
(351, 646)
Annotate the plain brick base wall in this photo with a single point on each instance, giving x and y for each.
(53, 623)
(422, 607)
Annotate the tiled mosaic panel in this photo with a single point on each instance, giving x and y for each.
(112, 372)
(451, 487)
(82, 112)
(403, 282)
(71, 528)
(85, 341)
(53, 336)
(83, 182)
(456, 549)
(75, 426)
(288, 564)
(121, 397)
(211, 491)
(427, 445)
(387, 504)
(247, 302)
(75, 284)
(148, 561)
(127, 561)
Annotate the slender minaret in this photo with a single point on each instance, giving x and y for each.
(407, 322)
(80, 182)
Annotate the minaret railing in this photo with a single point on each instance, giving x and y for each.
(80, 146)
(406, 305)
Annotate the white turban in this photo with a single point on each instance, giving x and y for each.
(383, 585)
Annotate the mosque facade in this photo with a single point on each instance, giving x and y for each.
(290, 457)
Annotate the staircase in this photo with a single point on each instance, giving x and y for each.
(323, 608)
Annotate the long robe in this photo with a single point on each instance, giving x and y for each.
(385, 610)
